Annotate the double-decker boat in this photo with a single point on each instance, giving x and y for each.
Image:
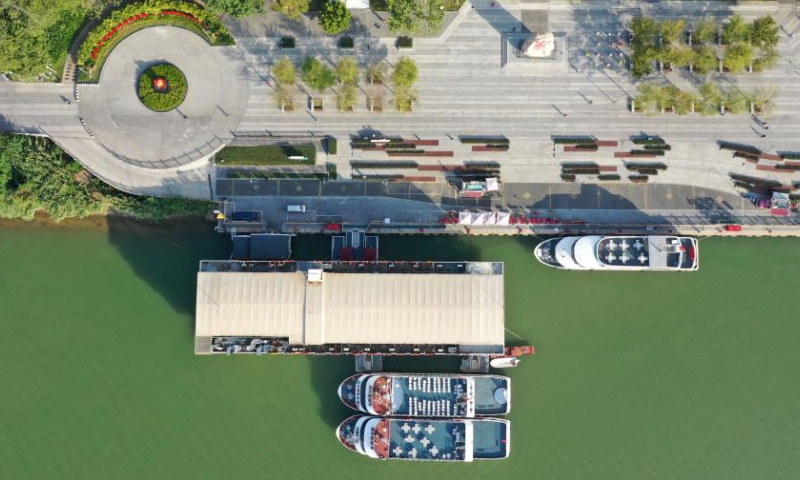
(454, 440)
(596, 252)
(427, 395)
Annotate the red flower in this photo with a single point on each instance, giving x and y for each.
(94, 55)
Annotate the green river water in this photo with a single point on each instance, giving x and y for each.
(637, 376)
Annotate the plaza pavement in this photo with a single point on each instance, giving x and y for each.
(465, 88)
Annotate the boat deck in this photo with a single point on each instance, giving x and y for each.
(629, 252)
(427, 440)
(429, 396)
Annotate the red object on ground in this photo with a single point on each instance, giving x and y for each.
(519, 351)
(780, 211)
(733, 228)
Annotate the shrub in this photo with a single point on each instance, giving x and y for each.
(331, 145)
(335, 17)
(404, 98)
(608, 177)
(286, 42)
(405, 72)
(638, 178)
(679, 57)
(284, 71)
(485, 140)
(405, 42)
(567, 177)
(346, 42)
(574, 140)
(648, 141)
(316, 75)
(162, 101)
(402, 15)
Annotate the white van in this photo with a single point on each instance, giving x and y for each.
(296, 208)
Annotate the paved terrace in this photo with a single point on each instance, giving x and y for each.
(467, 86)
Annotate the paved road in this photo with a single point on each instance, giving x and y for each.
(463, 87)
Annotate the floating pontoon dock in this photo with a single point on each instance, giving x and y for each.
(403, 308)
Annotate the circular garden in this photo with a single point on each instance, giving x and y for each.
(162, 87)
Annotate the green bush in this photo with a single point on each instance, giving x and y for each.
(346, 100)
(705, 60)
(764, 32)
(162, 101)
(736, 30)
(346, 43)
(284, 71)
(705, 31)
(738, 57)
(405, 42)
(608, 177)
(347, 71)
(331, 145)
(335, 17)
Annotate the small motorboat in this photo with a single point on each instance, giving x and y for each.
(504, 362)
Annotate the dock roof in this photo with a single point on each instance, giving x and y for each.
(353, 308)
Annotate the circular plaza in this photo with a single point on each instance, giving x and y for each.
(193, 127)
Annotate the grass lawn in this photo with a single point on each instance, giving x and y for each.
(267, 155)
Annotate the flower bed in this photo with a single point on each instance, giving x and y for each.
(123, 22)
(157, 95)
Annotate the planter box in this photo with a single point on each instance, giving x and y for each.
(405, 43)
(439, 154)
(419, 179)
(607, 143)
(286, 42)
(420, 143)
(480, 148)
(607, 168)
(770, 156)
(346, 43)
(582, 148)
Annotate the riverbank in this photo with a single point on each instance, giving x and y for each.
(39, 178)
(646, 376)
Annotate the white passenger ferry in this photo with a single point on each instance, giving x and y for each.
(427, 395)
(596, 252)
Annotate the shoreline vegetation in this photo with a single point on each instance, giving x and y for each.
(37, 177)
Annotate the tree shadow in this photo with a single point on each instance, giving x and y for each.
(166, 255)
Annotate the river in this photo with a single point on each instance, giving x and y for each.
(637, 375)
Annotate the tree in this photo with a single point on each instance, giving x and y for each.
(671, 30)
(644, 30)
(347, 71)
(705, 60)
(376, 72)
(678, 57)
(347, 98)
(766, 59)
(292, 9)
(764, 32)
(764, 101)
(736, 30)
(738, 57)
(430, 15)
(405, 98)
(712, 98)
(36, 34)
(405, 72)
(705, 31)
(284, 71)
(236, 8)
(402, 16)
(335, 17)
(316, 75)
(641, 64)
(736, 101)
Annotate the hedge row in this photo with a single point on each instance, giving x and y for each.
(638, 178)
(648, 152)
(109, 32)
(739, 147)
(762, 182)
(639, 166)
(608, 176)
(485, 140)
(575, 140)
(661, 146)
(649, 141)
(790, 155)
